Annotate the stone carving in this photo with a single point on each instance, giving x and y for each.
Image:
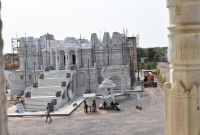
(167, 88)
(107, 82)
(179, 90)
(177, 11)
(180, 104)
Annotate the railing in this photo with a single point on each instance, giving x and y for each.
(25, 92)
(59, 89)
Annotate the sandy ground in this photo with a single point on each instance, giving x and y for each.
(128, 121)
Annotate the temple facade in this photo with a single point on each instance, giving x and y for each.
(78, 64)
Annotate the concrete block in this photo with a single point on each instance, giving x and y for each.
(28, 94)
(58, 93)
(35, 84)
(67, 75)
(41, 76)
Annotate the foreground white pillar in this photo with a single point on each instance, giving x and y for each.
(3, 99)
(181, 94)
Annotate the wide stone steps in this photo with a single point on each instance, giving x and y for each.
(39, 103)
(49, 82)
(46, 91)
(55, 74)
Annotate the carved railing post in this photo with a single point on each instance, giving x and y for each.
(3, 99)
(181, 94)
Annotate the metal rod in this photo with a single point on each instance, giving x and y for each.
(26, 59)
(46, 52)
(94, 52)
(34, 71)
(38, 55)
(49, 52)
(12, 55)
(89, 77)
(108, 49)
(122, 53)
(81, 53)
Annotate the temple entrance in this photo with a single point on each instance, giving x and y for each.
(73, 59)
(81, 79)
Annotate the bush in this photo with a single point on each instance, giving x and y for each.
(164, 80)
(157, 72)
(151, 65)
(142, 65)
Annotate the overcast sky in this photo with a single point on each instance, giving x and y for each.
(70, 18)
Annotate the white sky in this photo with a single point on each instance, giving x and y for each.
(64, 18)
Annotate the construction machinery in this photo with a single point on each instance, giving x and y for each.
(149, 79)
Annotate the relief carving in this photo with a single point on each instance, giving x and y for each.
(167, 88)
(177, 11)
(193, 92)
(178, 89)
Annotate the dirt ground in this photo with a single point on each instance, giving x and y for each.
(128, 121)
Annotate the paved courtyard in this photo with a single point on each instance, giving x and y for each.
(128, 121)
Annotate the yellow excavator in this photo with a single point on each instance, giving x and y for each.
(149, 79)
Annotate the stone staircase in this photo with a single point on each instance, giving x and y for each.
(46, 90)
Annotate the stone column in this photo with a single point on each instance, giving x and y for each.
(66, 60)
(76, 58)
(3, 99)
(181, 94)
(58, 59)
(56, 55)
(51, 58)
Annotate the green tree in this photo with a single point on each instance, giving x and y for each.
(151, 53)
(141, 52)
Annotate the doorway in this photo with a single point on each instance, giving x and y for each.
(81, 78)
(74, 59)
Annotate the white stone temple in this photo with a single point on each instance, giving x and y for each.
(63, 69)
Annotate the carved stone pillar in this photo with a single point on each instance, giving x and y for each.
(181, 94)
(3, 99)
(76, 58)
(51, 59)
(66, 60)
(56, 55)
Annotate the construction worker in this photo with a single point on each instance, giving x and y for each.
(48, 114)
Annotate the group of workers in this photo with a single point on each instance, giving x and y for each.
(113, 105)
(92, 108)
